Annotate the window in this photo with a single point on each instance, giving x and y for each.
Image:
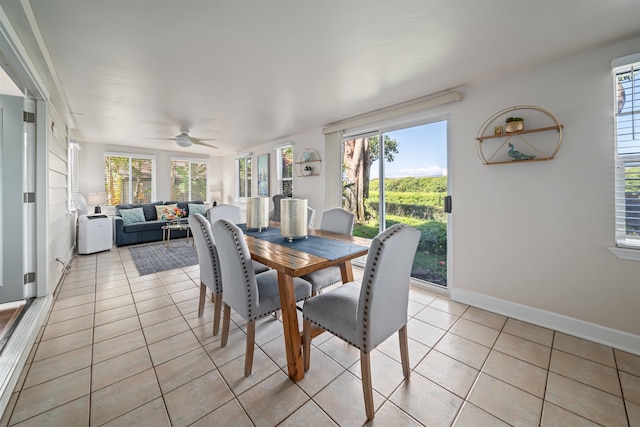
(284, 159)
(189, 179)
(627, 177)
(129, 179)
(72, 165)
(243, 181)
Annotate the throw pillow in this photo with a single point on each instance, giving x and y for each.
(131, 216)
(195, 208)
(167, 212)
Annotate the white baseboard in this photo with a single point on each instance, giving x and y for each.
(590, 331)
(16, 352)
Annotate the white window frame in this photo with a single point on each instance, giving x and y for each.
(189, 162)
(279, 172)
(627, 152)
(248, 179)
(136, 156)
(73, 150)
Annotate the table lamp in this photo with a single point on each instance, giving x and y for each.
(97, 199)
(216, 197)
(293, 218)
(257, 213)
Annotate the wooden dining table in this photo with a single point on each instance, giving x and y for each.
(291, 262)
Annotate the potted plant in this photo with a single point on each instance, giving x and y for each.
(307, 170)
(514, 124)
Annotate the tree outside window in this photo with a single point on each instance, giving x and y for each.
(243, 167)
(285, 170)
(189, 180)
(128, 179)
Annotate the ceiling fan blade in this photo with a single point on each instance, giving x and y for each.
(162, 139)
(199, 142)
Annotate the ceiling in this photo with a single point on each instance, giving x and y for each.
(247, 72)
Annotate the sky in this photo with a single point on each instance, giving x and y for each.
(422, 151)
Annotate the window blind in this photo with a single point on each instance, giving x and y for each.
(73, 175)
(627, 176)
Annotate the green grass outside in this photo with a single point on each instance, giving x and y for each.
(430, 262)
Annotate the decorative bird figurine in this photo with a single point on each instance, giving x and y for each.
(518, 155)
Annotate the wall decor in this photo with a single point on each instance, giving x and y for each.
(308, 162)
(518, 144)
(263, 175)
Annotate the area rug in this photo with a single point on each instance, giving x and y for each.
(155, 257)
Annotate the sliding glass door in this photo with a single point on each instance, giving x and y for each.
(401, 180)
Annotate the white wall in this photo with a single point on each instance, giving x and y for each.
(61, 226)
(91, 168)
(536, 233)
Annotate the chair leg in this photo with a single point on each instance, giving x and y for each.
(404, 351)
(251, 338)
(306, 343)
(367, 388)
(216, 313)
(203, 296)
(226, 319)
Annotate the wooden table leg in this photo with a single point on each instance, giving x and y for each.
(346, 271)
(292, 343)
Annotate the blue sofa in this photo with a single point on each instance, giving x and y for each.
(148, 231)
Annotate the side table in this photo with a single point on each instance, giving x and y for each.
(171, 226)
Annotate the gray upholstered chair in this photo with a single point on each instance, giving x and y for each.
(311, 216)
(251, 295)
(274, 215)
(233, 214)
(337, 220)
(364, 315)
(209, 266)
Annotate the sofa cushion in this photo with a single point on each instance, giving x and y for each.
(195, 208)
(131, 216)
(185, 205)
(148, 208)
(143, 226)
(167, 212)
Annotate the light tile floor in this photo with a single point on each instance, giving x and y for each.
(121, 349)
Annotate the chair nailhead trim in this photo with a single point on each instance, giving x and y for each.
(369, 282)
(243, 261)
(214, 254)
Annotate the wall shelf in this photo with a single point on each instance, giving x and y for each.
(503, 147)
(308, 157)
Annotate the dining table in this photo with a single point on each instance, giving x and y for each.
(302, 256)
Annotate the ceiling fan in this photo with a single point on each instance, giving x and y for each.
(184, 140)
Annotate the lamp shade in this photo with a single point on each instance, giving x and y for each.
(216, 196)
(96, 199)
(293, 218)
(257, 213)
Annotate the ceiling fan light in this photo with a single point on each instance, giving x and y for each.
(183, 140)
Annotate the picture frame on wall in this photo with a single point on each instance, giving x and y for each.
(263, 175)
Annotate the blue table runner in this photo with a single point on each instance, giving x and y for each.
(330, 249)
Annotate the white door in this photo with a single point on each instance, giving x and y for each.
(14, 216)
